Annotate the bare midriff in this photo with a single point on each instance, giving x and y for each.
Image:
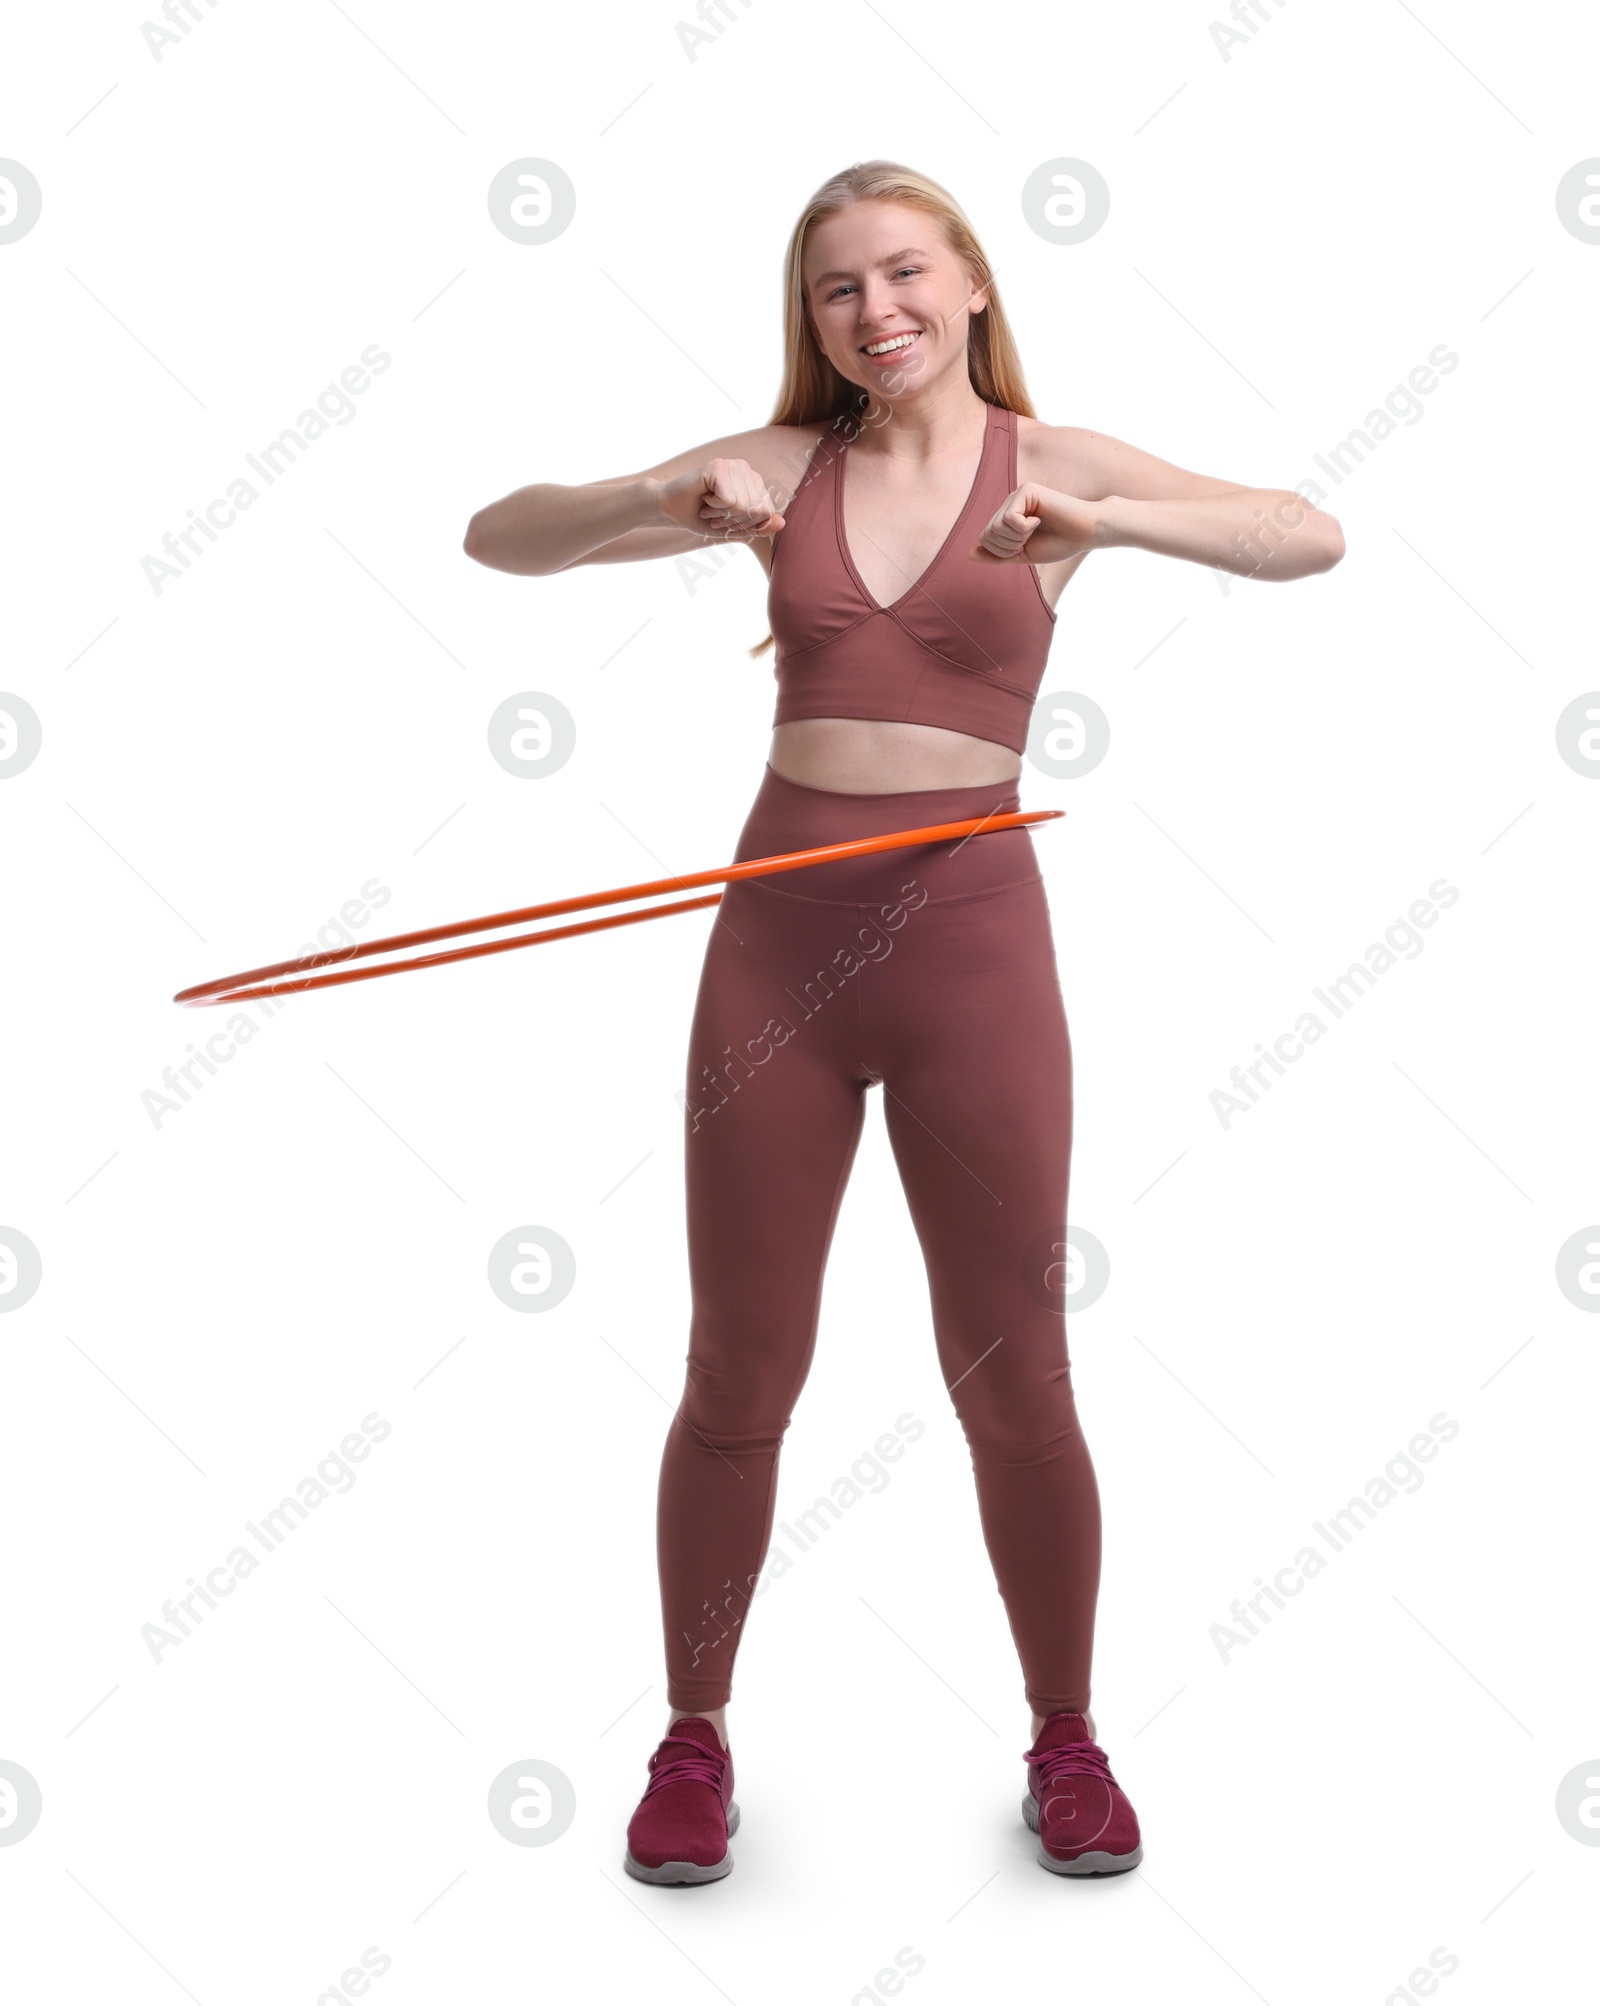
(858, 755)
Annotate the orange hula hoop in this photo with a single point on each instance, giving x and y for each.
(264, 981)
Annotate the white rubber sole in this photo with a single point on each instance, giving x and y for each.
(685, 1873)
(1085, 1863)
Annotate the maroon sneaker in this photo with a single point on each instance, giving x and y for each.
(679, 1834)
(1085, 1824)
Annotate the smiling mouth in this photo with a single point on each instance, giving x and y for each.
(890, 346)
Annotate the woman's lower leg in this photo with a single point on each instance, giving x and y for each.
(718, 1717)
(1038, 1725)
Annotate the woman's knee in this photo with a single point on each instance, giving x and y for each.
(744, 1406)
(1017, 1417)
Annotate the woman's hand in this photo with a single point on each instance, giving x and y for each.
(724, 498)
(1036, 525)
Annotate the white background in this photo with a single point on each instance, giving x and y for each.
(1292, 1297)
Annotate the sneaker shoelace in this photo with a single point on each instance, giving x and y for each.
(697, 1765)
(1072, 1758)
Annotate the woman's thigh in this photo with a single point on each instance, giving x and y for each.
(774, 1112)
(965, 1025)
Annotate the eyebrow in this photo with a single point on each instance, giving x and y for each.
(910, 251)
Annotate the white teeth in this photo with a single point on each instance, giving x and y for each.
(883, 347)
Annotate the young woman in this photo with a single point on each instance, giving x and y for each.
(917, 524)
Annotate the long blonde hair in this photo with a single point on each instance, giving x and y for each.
(812, 390)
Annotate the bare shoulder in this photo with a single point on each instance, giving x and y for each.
(784, 454)
(1093, 465)
(780, 454)
(1055, 455)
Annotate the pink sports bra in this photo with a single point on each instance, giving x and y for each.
(964, 647)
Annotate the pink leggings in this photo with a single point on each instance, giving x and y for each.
(929, 971)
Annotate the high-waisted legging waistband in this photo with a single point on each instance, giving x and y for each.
(786, 815)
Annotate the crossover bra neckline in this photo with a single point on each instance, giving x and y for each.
(990, 430)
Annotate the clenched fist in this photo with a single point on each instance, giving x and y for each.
(724, 498)
(1036, 525)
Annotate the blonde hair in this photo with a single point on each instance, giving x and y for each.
(812, 389)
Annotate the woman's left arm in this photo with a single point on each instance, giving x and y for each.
(1270, 533)
(1092, 492)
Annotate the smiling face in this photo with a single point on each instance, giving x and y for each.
(889, 299)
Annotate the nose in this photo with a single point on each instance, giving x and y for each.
(875, 305)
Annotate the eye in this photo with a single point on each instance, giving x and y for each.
(908, 268)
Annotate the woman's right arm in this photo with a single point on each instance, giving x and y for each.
(709, 493)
